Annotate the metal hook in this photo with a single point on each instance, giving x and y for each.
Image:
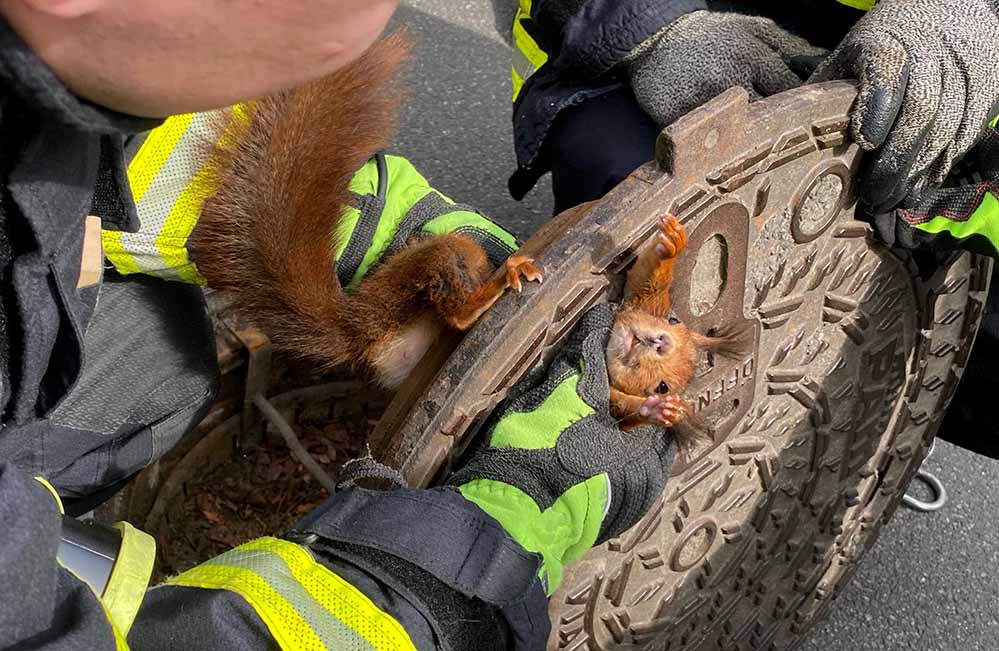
(935, 486)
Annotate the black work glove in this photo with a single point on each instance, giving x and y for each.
(929, 81)
(704, 53)
(962, 213)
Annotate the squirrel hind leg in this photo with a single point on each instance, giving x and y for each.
(516, 269)
(403, 307)
(394, 356)
(462, 285)
(433, 283)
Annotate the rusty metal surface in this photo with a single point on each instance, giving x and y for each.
(814, 434)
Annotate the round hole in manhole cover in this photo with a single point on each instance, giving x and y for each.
(819, 203)
(692, 547)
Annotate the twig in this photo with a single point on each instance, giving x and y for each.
(291, 439)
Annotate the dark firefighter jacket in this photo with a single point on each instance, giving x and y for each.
(368, 570)
(569, 51)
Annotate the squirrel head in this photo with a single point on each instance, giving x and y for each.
(648, 355)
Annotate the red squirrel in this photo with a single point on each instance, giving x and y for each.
(650, 360)
(266, 236)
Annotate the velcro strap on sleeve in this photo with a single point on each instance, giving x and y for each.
(475, 556)
(361, 239)
(434, 215)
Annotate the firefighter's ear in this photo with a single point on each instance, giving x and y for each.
(65, 8)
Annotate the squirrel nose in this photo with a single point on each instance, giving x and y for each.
(659, 343)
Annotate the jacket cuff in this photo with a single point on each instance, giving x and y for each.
(473, 583)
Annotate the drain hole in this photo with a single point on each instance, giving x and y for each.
(707, 279)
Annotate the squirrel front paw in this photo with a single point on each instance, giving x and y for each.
(665, 410)
(518, 266)
(672, 238)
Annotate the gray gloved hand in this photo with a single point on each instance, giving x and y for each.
(703, 54)
(929, 81)
(554, 469)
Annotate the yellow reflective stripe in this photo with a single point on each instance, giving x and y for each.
(169, 209)
(528, 56)
(994, 123)
(119, 641)
(116, 253)
(347, 603)
(130, 576)
(120, 644)
(172, 240)
(144, 167)
(863, 5)
(170, 181)
(154, 153)
(44, 482)
(303, 604)
(286, 626)
(518, 82)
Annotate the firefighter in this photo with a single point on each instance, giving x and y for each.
(101, 375)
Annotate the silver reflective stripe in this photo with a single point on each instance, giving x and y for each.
(187, 158)
(270, 567)
(521, 64)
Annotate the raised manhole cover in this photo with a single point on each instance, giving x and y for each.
(814, 434)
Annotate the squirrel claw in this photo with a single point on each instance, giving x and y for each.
(672, 238)
(665, 410)
(519, 265)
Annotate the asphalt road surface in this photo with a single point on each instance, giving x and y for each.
(932, 581)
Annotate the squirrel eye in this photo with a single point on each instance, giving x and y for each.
(662, 388)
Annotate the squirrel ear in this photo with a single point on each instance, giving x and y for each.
(727, 343)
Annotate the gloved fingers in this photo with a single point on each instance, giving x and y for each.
(596, 444)
(834, 67)
(805, 66)
(772, 75)
(781, 41)
(884, 225)
(771, 66)
(666, 110)
(944, 142)
(890, 172)
(883, 69)
(881, 65)
(634, 490)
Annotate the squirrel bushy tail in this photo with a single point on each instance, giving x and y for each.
(266, 236)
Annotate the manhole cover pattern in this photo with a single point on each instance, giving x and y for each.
(814, 434)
